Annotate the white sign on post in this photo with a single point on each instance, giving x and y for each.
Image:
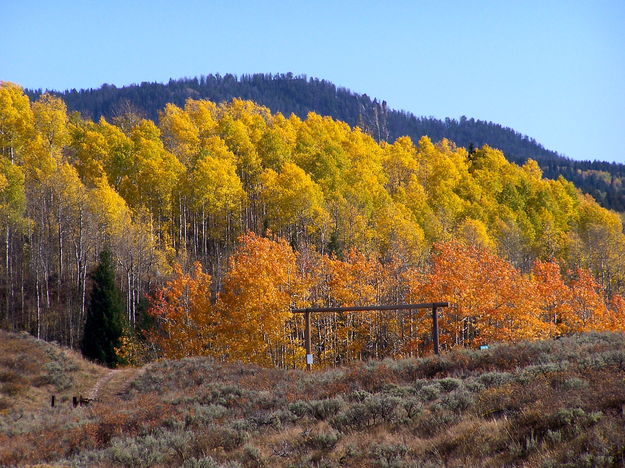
(309, 359)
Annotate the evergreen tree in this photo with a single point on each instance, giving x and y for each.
(105, 315)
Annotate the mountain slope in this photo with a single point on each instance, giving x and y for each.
(288, 94)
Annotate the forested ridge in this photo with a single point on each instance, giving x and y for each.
(220, 217)
(287, 93)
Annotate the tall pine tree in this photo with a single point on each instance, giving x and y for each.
(105, 315)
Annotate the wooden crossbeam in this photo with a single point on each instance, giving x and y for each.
(309, 310)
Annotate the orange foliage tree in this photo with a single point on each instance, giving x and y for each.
(186, 317)
(554, 295)
(261, 285)
(490, 299)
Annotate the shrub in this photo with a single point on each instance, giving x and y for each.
(458, 401)
(575, 420)
(450, 384)
(435, 420)
(204, 414)
(273, 420)
(494, 379)
(300, 408)
(358, 395)
(322, 440)
(430, 392)
(4, 403)
(412, 406)
(574, 383)
(58, 375)
(323, 409)
(374, 410)
(12, 389)
(251, 456)
(208, 462)
(10, 376)
(217, 436)
(225, 395)
(388, 455)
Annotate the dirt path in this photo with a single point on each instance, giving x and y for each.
(114, 383)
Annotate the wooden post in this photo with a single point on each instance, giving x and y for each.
(435, 329)
(307, 311)
(307, 338)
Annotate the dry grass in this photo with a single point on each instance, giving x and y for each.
(31, 371)
(553, 403)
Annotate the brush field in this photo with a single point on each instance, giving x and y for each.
(548, 403)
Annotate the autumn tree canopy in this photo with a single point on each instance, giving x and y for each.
(352, 216)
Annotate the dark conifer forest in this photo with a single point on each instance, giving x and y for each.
(299, 95)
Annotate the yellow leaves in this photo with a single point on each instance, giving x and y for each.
(532, 169)
(291, 197)
(215, 187)
(180, 135)
(474, 232)
(50, 118)
(16, 121)
(110, 208)
(12, 193)
(153, 172)
(399, 163)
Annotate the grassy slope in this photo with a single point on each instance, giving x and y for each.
(31, 371)
(549, 403)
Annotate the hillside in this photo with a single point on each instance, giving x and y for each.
(545, 403)
(260, 213)
(300, 95)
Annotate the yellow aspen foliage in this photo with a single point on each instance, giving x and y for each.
(90, 152)
(203, 114)
(253, 117)
(154, 171)
(235, 135)
(215, 187)
(179, 134)
(474, 232)
(400, 163)
(292, 198)
(16, 121)
(276, 145)
(398, 234)
(111, 212)
(50, 119)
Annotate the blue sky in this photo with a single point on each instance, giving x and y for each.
(554, 70)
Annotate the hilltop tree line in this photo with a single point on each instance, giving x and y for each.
(171, 200)
(287, 93)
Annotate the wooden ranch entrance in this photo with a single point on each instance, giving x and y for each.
(310, 310)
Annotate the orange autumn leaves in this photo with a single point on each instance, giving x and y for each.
(247, 321)
(491, 300)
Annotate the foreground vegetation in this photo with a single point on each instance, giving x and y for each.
(544, 403)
